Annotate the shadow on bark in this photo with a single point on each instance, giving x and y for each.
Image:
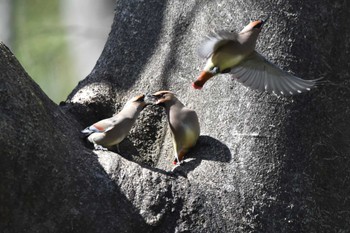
(208, 149)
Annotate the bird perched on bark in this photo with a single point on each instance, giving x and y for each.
(183, 123)
(234, 53)
(112, 131)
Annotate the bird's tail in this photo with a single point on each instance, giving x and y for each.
(86, 132)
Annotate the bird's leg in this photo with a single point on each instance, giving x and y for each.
(179, 157)
(176, 160)
(99, 147)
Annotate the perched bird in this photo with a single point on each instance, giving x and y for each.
(112, 131)
(183, 123)
(234, 53)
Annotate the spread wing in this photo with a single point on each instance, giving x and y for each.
(258, 73)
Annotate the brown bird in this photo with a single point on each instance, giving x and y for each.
(183, 123)
(112, 131)
(234, 53)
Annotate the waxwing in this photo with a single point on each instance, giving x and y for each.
(183, 123)
(234, 53)
(112, 131)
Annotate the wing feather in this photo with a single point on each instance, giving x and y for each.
(258, 73)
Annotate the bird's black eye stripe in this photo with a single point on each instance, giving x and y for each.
(141, 99)
(226, 71)
(159, 96)
(258, 25)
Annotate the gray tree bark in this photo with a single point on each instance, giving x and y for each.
(263, 163)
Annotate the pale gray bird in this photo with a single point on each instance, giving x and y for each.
(112, 131)
(183, 123)
(234, 53)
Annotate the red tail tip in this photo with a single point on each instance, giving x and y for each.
(196, 87)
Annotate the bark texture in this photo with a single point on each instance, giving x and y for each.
(263, 163)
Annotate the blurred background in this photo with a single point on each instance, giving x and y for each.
(57, 42)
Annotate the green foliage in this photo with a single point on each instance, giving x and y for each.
(40, 45)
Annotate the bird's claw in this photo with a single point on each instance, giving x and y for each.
(99, 147)
(176, 166)
(178, 163)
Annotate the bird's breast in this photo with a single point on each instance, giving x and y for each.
(227, 60)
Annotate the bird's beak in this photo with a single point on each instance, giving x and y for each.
(150, 99)
(259, 23)
(265, 20)
(202, 79)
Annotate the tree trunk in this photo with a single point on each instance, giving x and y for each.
(263, 163)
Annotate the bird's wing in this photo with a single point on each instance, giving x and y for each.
(215, 40)
(190, 126)
(99, 127)
(258, 73)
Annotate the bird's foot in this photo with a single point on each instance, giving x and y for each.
(174, 168)
(99, 147)
(178, 170)
(176, 163)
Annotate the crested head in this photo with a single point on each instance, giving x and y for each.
(137, 101)
(253, 26)
(164, 97)
(163, 92)
(138, 98)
